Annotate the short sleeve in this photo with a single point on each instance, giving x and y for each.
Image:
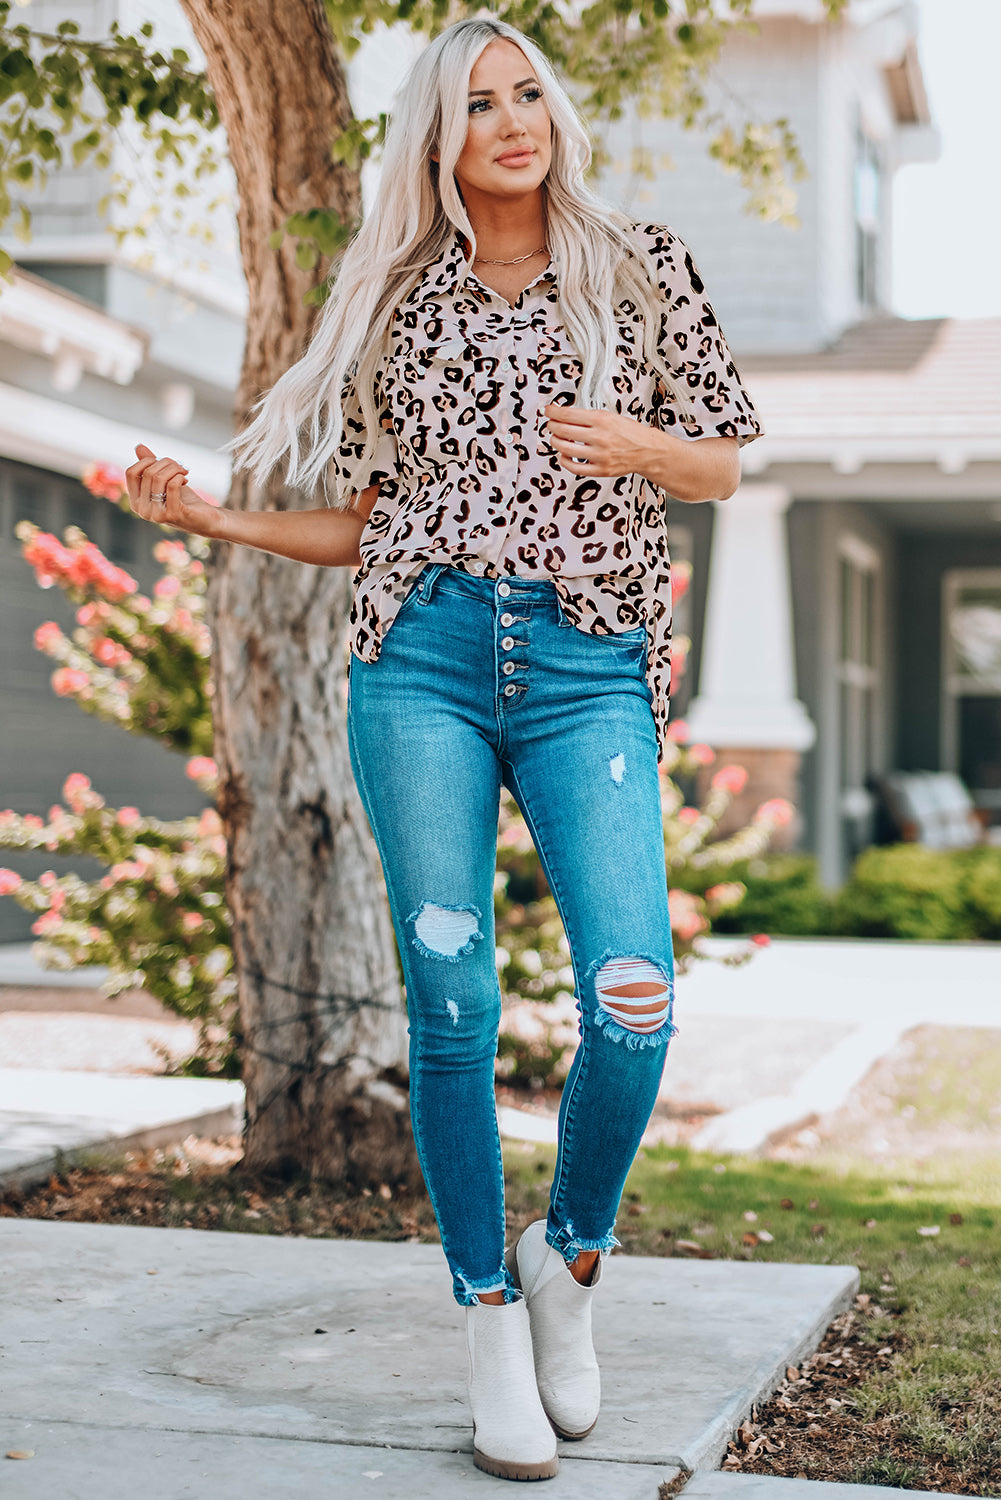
(694, 347)
(382, 468)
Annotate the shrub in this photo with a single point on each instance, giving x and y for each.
(907, 891)
(782, 897)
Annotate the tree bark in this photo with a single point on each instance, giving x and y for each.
(321, 1017)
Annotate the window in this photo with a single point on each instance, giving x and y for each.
(868, 211)
(860, 747)
(971, 682)
(31, 502)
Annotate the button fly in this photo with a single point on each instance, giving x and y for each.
(508, 642)
(507, 619)
(510, 690)
(503, 589)
(508, 668)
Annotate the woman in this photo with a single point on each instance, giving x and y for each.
(507, 380)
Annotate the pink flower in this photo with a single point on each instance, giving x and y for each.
(10, 881)
(726, 894)
(95, 934)
(166, 588)
(732, 779)
(104, 480)
(109, 653)
(688, 815)
(681, 577)
(196, 568)
(702, 754)
(48, 922)
(777, 810)
(210, 823)
(30, 820)
(201, 767)
(48, 636)
(69, 680)
(192, 921)
(128, 817)
(761, 940)
(47, 879)
(167, 551)
(678, 731)
(686, 918)
(126, 869)
(56, 812)
(140, 603)
(76, 788)
(168, 885)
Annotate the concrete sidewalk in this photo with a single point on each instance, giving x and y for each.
(326, 1360)
(874, 991)
(183, 1363)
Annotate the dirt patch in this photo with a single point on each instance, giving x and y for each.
(812, 1427)
(199, 1185)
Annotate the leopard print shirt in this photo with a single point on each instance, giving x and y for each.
(467, 477)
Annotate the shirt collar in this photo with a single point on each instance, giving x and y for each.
(449, 271)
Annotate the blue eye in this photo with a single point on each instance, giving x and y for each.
(532, 95)
(473, 103)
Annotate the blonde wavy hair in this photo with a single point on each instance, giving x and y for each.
(417, 210)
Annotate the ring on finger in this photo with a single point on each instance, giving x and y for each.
(162, 498)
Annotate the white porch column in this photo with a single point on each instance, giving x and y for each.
(747, 692)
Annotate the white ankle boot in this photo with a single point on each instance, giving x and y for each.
(559, 1309)
(512, 1437)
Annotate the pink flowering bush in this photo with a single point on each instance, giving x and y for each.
(538, 1021)
(157, 917)
(138, 662)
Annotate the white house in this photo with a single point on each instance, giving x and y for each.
(846, 616)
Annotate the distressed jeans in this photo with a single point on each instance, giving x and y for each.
(483, 681)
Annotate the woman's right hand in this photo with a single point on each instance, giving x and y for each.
(181, 507)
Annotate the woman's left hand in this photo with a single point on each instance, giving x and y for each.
(601, 443)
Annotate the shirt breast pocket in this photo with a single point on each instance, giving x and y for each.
(432, 392)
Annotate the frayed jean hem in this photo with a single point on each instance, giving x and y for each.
(570, 1244)
(468, 1291)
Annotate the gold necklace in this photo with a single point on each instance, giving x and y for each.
(516, 262)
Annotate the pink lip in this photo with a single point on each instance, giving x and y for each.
(510, 158)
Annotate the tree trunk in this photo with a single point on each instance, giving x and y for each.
(320, 1011)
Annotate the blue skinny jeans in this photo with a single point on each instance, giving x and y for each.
(483, 681)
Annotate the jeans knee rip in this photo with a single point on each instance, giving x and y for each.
(640, 1019)
(445, 931)
(471, 1289)
(570, 1244)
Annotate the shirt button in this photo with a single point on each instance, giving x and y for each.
(503, 589)
(508, 668)
(508, 642)
(507, 619)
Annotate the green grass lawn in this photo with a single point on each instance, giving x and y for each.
(937, 1295)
